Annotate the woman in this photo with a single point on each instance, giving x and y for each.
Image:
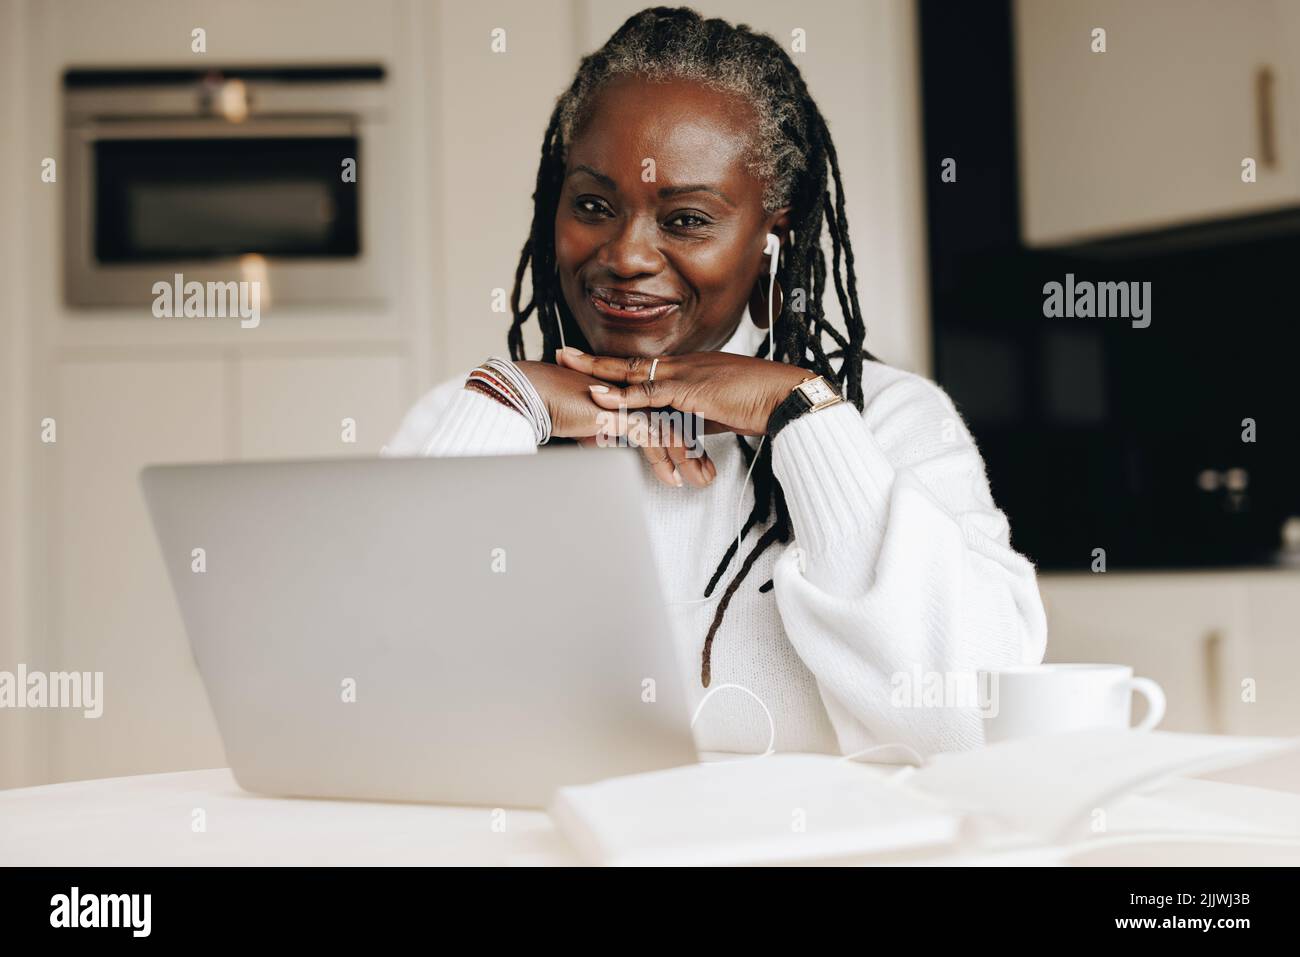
(872, 555)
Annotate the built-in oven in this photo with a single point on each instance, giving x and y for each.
(219, 175)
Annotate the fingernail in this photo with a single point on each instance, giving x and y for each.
(557, 355)
(572, 351)
(677, 478)
(598, 388)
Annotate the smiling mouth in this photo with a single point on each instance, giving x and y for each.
(626, 306)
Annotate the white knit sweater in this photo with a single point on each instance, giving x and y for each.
(899, 567)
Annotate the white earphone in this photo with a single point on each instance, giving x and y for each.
(772, 249)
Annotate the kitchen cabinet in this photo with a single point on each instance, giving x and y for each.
(109, 598)
(109, 601)
(296, 407)
(1152, 132)
(1271, 616)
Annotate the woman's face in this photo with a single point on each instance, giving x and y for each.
(660, 229)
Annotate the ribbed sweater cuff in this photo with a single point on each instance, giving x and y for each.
(836, 479)
(477, 425)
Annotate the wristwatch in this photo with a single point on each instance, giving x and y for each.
(808, 396)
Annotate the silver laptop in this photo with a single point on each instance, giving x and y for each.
(462, 631)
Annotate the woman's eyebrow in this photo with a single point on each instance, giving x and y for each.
(599, 177)
(669, 191)
(665, 193)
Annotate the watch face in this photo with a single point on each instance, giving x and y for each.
(818, 391)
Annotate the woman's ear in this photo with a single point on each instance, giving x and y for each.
(778, 223)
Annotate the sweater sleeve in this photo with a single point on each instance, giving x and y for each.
(451, 420)
(901, 582)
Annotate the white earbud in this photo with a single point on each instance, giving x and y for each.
(772, 249)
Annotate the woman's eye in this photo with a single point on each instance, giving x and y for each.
(590, 207)
(687, 221)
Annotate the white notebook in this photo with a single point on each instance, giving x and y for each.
(1048, 788)
(784, 808)
(774, 809)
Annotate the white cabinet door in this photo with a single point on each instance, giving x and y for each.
(1270, 704)
(1152, 132)
(110, 603)
(318, 407)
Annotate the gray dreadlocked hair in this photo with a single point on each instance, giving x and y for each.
(792, 153)
(695, 50)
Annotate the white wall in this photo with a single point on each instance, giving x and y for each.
(81, 583)
(17, 731)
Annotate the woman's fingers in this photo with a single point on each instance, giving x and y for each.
(609, 368)
(662, 465)
(638, 391)
(695, 470)
(642, 395)
(692, 463)
(738, 391)
(664, 446)
(640, 435)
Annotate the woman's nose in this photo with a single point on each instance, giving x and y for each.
(632, 251)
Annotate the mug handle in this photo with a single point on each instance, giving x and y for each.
(1155, 696)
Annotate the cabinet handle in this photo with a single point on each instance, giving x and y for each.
(1214, 682)
(1264, 83)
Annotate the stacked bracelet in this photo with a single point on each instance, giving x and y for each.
(502, 379)
(474, 385)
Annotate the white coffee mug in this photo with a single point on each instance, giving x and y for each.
(1055, 698)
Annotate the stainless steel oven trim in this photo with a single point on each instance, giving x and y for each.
(265, 99)
(139, 112)
(216, 129)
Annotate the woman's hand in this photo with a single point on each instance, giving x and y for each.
(566, 396)
(568, 399)
(738, 393)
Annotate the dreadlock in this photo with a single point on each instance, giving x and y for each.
(792, 154)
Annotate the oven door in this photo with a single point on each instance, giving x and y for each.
(268, 199)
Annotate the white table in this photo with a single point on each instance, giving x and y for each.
(149, 820)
